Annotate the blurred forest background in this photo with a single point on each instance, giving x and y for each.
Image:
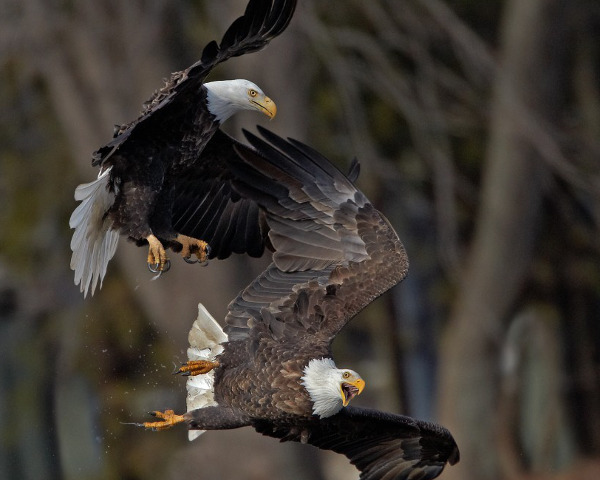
(477, 125)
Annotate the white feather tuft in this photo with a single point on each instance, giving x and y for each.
(206, 338)
(94, 241)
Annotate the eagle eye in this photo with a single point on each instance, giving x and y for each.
(346, 375)
(252, 92)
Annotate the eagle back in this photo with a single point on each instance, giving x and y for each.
(263, 377)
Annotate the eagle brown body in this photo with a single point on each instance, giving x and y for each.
(334, 253)
(257, 392)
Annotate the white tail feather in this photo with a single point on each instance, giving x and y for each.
(94, 241)
(205, 337)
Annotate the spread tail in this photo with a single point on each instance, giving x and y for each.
(206, 338)
(94, 241)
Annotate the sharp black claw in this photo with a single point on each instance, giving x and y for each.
(155, 267)
(190, 260)
(208, 250)
(135, 424)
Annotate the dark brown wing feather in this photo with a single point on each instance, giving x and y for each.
(206, 206)
(333, 250)
(262, 21)
(381, 445)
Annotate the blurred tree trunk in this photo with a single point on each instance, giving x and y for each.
(528, 85)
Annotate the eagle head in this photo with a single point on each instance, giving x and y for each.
(330, 388)
(227, 97)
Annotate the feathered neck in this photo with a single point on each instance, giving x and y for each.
(322, 383)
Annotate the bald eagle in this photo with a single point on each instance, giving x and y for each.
(271, 368)
(162, 178)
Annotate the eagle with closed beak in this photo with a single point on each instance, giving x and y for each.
(163, 178)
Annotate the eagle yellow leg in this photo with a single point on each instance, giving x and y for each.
(157, 257)
(193, 246)
(197, 367)
(168, 418)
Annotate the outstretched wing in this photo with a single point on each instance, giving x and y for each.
(262, 21)
(381, 445)
(334, 252)
(206, 206)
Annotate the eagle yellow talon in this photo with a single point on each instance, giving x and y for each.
(157, 257)
(192, 246)
(168, 418)
(196, 367)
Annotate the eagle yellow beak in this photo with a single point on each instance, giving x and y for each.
(351, 389)
(266, 106)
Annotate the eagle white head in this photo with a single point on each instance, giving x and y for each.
(330, 388)
(230, 96)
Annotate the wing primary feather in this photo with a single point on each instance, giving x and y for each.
(209, 53)
(258, 13)
(242, 225)
(212, 220)
(283, 18)
(354, 170)
(383, 446)
(183, 220)
(307, 152)
(276, 168)
(199, 221)
(225, 227)
(234, 33)
(300, 161)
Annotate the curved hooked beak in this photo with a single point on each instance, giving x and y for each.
(266, 106)
(350, 390)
